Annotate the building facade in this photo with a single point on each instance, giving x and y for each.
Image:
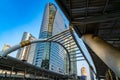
(50, 55)
(27, 53)
(5, 47)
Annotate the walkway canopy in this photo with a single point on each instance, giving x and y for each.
(99, 17)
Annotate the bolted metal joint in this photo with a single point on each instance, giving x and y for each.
(25, 43)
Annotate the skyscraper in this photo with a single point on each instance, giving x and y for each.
(50, 55)
(27, 53)
(5, 47)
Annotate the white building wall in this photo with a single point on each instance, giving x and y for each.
(27, 53)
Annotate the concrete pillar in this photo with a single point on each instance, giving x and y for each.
(106, 52)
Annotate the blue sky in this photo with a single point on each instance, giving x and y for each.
(17, 16)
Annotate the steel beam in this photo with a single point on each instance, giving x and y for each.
(96, 19)
(59, 34)
(105, 7)
(22, 44)
(76, 57)
(78, 60)
(106, 52)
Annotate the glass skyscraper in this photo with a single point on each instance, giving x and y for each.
(50, 55)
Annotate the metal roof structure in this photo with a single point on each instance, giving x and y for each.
(99, 17)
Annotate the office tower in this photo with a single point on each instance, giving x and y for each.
(83, 73)
(50, 55)
(27, 53)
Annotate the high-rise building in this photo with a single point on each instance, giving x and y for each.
(27, 53)
(5, 47)
(50, 55)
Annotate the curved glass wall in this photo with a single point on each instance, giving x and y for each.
(50, 55)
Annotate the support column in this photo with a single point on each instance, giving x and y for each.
(24, 76)
(10, 77)
(34, 75)
(1, 78)
(106, 52)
